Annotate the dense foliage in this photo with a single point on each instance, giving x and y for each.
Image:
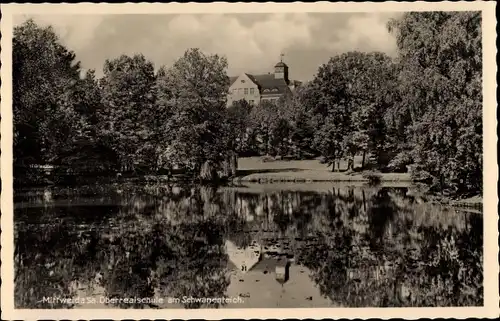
(51, 109)
(194, 92)
(128, 116)
(440, 88)
(420, 112)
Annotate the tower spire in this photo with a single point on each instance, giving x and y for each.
(281, 69)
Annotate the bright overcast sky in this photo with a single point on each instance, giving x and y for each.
(251, 42)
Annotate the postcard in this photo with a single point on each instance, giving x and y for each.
(229, 160)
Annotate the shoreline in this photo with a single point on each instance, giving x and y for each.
(337, 177)
(474, 202)
(286, 174)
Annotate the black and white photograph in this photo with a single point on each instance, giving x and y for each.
(227, 160)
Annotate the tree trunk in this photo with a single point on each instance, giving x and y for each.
(363, 160)
(350, 163)
(333, 165)
(225, 170)
(267, 142)
(234, 164)
(364, 201)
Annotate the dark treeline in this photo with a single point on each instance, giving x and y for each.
(420, 112)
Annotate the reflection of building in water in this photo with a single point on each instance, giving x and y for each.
(255, 259)
(243, 258)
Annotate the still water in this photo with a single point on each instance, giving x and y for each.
(153, 246)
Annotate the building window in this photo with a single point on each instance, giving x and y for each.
(240, 90)
(242, 81)
(252, 91)
(246, 91)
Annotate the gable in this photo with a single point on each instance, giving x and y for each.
(243, 80)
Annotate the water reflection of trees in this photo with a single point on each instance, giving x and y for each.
(365, 247)
(387, 255)
(141, 252)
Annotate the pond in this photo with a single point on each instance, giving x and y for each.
(159, 246)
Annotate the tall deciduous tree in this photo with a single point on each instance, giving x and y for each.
(349, 97)
(88, 150)
(42, 71)
(196, 88)
(128, 121)
(295, 110)
(54, 108)
(239, 123)
(266, 118)
(371, 91)
(441, 94)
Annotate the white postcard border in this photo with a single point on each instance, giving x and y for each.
(490, 173)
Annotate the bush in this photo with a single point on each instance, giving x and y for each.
(418, 174)
(400, 162)
(373, 177)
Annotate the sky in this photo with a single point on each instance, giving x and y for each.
(252, 43)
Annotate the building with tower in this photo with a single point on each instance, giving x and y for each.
(256, 88)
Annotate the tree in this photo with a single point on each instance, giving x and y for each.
(54, 109)
(440, 87)
(372, 93)
(239, 123)
(42, 68)
(196, 89)
(87, 150)
(294, 109)
(351, 116)
(328, 139)
(265, 118)
(128, 117)
(328, 99)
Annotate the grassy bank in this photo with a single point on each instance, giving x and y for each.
(254, 169)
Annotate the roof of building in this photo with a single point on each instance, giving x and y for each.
(269, 264)
(267, 83)
(281, 64)
(242, 258)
